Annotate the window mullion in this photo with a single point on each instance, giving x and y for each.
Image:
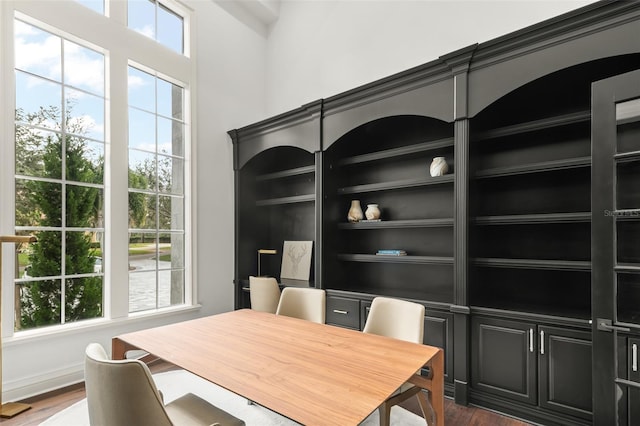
(117, 202)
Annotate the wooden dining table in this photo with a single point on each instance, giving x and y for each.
(314, 374)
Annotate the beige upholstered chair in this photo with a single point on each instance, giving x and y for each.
(123, 393)
(304, 303)
(265, 294)
(402, 320)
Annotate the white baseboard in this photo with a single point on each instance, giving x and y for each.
(35, 385)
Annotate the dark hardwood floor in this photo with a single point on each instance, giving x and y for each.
(44, 406)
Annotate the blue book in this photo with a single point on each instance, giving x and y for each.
(392, 252)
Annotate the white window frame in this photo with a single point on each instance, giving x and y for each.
(121, 46)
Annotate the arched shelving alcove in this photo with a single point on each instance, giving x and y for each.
(530, 194)
(386, 162)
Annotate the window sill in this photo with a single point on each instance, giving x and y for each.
(95, 324)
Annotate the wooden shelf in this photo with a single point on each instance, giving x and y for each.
(374, 258)
(392, 224)
(627, 214)
(531, 126)
(300, 171)
(545, 166)
(399, 184)
(629, 268)
(286, 200)
(625, 157)
(556, 265)
(397, 152)
(528, 219)
(526, 312)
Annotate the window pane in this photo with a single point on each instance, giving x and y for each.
(37, 51)
(45, 256)
(40, 303)
(142, 133)
(38, 153)
(142, 211)
(170, 288)
(142, 17)
(83, 298)
(171, 251)
(170, 175)
(142, 170)
(169, 99)
(81, 254)
(85, 160)
(177, 287)
(84, 206)
(22, 258)
(38, 101)
(85, 114)
(142, 291)
(142, 90)
(170, 29)
(83, 68)
(170, 137)
(171, 213)
(38, 203)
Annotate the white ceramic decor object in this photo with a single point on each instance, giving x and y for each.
(355, 212)
(372, 212)
(439, 167)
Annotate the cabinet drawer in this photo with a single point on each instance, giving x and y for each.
(343, 311)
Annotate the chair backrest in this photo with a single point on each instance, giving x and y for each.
(121, 393)
(265, 294)
(304, 303)
(396, 318)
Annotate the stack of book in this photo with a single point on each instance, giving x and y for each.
(392, 252)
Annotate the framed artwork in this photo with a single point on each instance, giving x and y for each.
(296, 260)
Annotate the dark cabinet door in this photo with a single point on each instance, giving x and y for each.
(504, 358)
(633, 368)
(438, 332)
(565, 370)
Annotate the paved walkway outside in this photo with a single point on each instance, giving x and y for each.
(142, 285)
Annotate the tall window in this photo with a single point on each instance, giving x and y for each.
(156, 21)
(59, 177)
(88, 114)
(156, 192)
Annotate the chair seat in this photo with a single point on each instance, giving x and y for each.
(190, 410)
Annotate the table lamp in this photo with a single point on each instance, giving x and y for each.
(264, 251)
(10, 409)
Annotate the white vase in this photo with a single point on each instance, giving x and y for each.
(439, 167)
(372, 212)
(355, 212)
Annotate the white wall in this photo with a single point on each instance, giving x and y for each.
(230, 92)
(317, 49)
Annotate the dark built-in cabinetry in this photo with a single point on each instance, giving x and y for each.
(524, 254)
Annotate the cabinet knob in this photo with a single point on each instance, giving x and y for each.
(340, 311)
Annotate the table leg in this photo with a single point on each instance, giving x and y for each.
(436, 396)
